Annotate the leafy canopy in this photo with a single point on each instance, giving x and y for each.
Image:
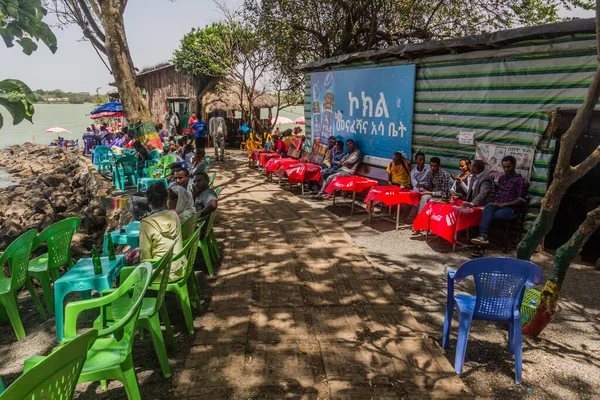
(20, 21)
(208, 51)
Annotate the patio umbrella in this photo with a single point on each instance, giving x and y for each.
(57, 130)
(300, 121)
(281, 120)
(114, 107)
(106, 115)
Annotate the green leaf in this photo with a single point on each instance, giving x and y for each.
(16, 97)
(28, 45)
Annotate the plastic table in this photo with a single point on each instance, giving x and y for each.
(81, 278)
(391, 196)
(130, 237)
(144, 183)
(447, 219)
(300, 173)
(349, 183)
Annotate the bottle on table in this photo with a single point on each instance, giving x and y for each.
(111, 248)
(96, 260)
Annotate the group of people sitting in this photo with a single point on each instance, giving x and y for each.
(474, 185)
(162, 209)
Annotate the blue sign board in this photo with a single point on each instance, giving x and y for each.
(373, 106)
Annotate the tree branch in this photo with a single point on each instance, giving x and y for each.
(91, 20)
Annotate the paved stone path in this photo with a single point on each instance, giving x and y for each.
(298, 312)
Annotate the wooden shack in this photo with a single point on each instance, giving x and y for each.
(163, 87)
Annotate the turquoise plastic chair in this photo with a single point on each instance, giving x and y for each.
(103, 158)
(153, 161)
(17, 256)
(1, 386)
(44, 268)
(499, 285)
(55, 376)
(110, 356)
(125, 171)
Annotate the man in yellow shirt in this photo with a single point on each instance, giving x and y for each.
(399, 171)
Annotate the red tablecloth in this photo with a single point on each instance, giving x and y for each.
(445, 220)
(392, 195)
(301, 172)
(273, 164)
(255, 155)
(350, 183)
(265, 157)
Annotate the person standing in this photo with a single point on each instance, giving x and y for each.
(512, 193)
(218, 132)
(200, 132)
(171, 121)
(193, 119)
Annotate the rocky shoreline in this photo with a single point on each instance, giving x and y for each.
(51, 184)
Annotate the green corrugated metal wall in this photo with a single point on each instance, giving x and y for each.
(505, 96)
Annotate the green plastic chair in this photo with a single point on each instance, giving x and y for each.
(17, 256)
(180, 286)
(153, 161)
(151, 308)
(163, 164)
(58, 236)
(211, 180)
(189, 225)
(126, 170)
(110, 357)
(208, 242)
(55, 376)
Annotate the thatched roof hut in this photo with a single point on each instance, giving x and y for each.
(224, 95)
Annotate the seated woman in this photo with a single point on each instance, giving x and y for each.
(279, 145)
(181, 201)
(336, 156)
(160, 230)
(199, 162)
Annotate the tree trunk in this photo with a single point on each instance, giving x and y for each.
(546, 311)
(119, 57)
(545, 219)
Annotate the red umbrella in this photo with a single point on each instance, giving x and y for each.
(300, 121)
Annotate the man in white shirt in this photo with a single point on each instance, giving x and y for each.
(418, 176)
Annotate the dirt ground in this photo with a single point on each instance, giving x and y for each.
(564, 362)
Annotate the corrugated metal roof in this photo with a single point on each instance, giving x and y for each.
(462, 45)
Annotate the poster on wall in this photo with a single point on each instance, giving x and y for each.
(373, 106)
(492, 155)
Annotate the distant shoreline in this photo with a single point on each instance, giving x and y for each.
(60, 102)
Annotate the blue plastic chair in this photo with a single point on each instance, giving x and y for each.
(499, 284)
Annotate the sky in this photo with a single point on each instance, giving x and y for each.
(154, 29)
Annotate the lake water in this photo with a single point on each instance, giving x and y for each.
(72, 117)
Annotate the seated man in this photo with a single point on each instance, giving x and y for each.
(460, 187)
(348, 166)
(160, 230)
(481, 191)
(199, 162)
(399, 171)
(182, 178)
(438, 183)
(142, 154)
(419, 173)
(206, 200)
(512, 193)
